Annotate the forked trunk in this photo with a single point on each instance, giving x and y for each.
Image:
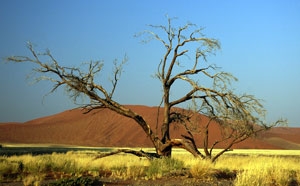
(166, 152)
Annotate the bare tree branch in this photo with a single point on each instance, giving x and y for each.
(140, 153)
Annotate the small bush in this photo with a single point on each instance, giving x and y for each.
(160, 167)
(80, 181)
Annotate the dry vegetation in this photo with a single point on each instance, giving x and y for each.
(241, 167)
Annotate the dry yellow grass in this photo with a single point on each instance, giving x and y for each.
(252, 167)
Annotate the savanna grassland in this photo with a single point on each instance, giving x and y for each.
(81, 167)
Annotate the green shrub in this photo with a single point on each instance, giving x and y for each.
(80, 181)
(161, 167)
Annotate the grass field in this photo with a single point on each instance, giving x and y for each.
(242, 167)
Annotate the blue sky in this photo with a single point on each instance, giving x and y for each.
(260, 43)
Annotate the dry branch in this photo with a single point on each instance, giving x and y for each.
(140, 153)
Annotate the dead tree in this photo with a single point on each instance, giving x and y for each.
(185, 60)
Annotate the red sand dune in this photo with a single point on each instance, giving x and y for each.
(102, 128)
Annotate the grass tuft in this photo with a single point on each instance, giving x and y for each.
(202, 169)
(162, 167)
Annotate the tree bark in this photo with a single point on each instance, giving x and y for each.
(166, 121)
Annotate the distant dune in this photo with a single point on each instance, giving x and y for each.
(103, 128)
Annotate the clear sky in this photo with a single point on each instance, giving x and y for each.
(260, 43)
